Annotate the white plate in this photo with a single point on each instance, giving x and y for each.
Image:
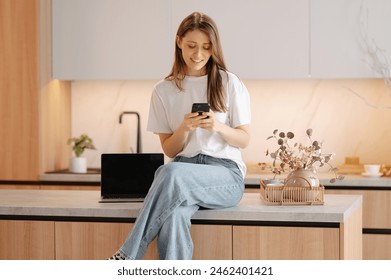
(372, 175)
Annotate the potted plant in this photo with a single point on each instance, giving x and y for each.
(78, 164)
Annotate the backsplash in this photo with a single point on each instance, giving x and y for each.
(345, 114)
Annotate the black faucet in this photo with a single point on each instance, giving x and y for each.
(138, 127)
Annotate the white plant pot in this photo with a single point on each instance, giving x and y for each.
(78, 165)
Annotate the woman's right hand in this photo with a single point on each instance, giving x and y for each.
(192, 120)
(172, 144)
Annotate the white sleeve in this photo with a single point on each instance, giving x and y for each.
(239, 110)
(157, 119)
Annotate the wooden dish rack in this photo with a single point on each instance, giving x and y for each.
(287, 195)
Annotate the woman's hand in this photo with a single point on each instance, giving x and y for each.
(172, 144)
(193, 120)
(208, 121)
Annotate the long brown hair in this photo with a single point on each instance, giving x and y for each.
(216, 62)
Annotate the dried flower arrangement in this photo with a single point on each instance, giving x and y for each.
(298, 156)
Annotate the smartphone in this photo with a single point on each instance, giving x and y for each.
(200, 107)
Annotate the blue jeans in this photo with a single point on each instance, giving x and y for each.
(179, 189)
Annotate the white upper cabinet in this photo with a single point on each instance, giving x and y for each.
(261, 39)
(350, 38)
(134, 39)
(111, 39)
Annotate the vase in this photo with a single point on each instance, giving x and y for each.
(302, 177)
(78, 165)
(301, 185)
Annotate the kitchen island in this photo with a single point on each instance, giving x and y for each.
(376, 193)
(44, 224)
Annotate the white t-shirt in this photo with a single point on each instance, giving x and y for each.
(169, 105)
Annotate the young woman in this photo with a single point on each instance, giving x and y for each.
(207, 170)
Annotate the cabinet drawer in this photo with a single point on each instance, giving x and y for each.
(377, 246)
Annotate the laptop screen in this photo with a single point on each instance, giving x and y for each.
(128, 175)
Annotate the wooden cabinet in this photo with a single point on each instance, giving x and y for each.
(99, 39)
(27, 240)
(285, 243)
(19, 187)
(342, 31)
(300, 243)
(19, 90)
(94, 241)
(376, 246)
(99, 240)
(376, 220)
(212, 242)
(90, 230)
(376, 205)
(35, 111)
(89, 241)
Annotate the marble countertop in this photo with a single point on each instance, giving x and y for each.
(250, 179)
(324, 178)
(52, 204)
(92, 175)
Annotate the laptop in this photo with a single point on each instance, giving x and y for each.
(128, 177)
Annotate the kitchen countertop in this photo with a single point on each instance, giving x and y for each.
(92, 175)
(53, 205)
(250, 179)
(324, 178)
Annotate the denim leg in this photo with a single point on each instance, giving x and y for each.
(174, 240)
(206, 183)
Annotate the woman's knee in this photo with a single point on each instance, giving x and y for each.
(171, 169)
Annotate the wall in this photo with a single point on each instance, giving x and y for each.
(54, 102)
(336, 110)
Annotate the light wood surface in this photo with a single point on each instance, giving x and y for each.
(73, 188)
(351, 237)
(377, 247)
(19, 90)
(212, 242)
(376, 206)
(35, 110)
(20, 187)
(376, 214)
(26, 240)
(285, 243)
(90, 241)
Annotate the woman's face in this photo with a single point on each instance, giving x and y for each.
(196, 51)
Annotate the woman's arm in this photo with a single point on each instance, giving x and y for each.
(238, 136)
(172, 144)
